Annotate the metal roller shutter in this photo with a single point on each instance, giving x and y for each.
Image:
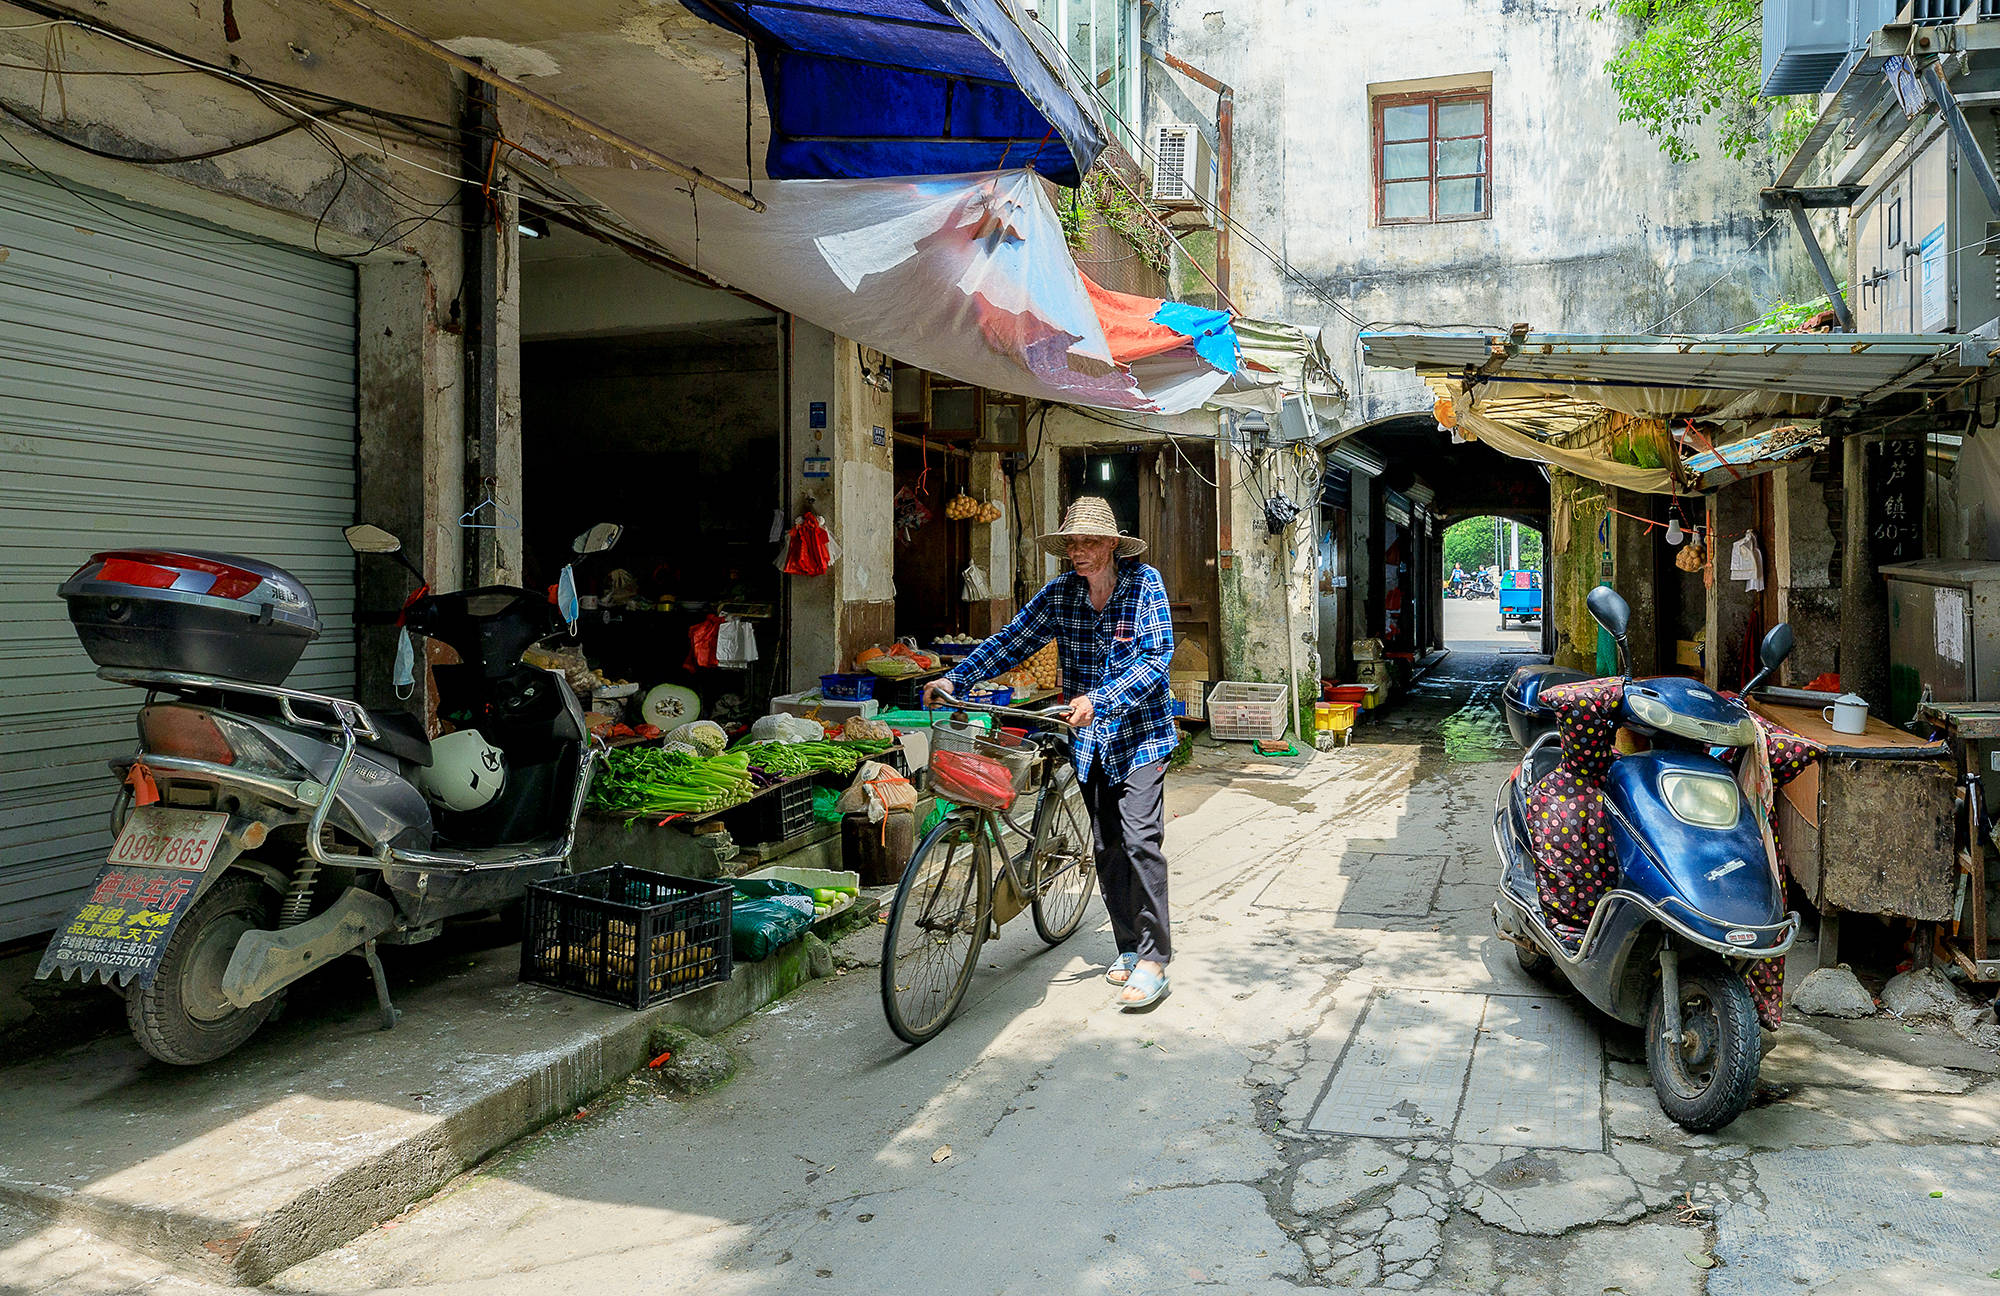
(161, 382)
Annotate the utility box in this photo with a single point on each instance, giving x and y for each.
(1944, 633)
(1805, 42)
(1917, 262)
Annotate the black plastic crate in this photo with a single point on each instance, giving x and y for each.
(625, 935)
(778, 814)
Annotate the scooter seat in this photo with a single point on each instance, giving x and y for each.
(401, 735)
(1540, 763)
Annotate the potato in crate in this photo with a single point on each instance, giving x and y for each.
(625, 935)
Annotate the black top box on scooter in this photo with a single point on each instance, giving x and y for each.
(1528, 718)
(200, 613)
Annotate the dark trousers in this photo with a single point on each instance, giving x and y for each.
(1129, 823)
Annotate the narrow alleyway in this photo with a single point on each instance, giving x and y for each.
(1352, 1086)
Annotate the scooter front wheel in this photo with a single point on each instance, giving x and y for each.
(182, 1017)
(1705, 1079)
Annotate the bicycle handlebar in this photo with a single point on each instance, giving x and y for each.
(1040, 717)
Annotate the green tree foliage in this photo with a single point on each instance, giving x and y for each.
(1470, 545)
(1692, 61)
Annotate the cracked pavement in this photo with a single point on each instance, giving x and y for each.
(1352, 1086)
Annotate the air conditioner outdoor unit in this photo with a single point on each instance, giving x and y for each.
(1806, 41)
(1183, 170)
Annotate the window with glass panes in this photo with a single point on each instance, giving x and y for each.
(1433, 157)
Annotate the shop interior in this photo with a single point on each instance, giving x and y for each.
(672, 429)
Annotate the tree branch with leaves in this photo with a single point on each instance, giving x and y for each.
(1690, 63)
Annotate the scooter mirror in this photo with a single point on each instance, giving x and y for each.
(366, 538)
(598, 538)
(1776, 647)
(1610, 610)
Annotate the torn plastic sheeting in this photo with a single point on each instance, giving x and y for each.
(966, 276)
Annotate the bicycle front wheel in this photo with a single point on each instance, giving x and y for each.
(936, 927)
(1063, 862)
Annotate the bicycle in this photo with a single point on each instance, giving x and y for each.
(954, 896)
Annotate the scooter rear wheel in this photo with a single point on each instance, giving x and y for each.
(1705, 1080)
(182, 1017)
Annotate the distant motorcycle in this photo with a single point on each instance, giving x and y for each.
(1482, 586)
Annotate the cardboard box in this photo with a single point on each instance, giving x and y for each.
(1687, 652)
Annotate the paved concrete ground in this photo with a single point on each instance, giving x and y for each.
(1351, 1086)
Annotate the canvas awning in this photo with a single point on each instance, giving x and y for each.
(871, 88)
(1735, 404)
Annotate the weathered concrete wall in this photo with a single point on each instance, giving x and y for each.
(1731, 512)
(1806, 565)
(1576, 566)
(1592, 228)
(865, 477)
(1635, 567)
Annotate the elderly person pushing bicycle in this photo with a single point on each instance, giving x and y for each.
(1114, 635)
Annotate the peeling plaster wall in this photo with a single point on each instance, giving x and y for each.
(1805, 565)
(865, 480)
(814, 600)
(1593, 230)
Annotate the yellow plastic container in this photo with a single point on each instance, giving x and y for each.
(1334, 716)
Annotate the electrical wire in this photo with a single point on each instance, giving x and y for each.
(42, 128)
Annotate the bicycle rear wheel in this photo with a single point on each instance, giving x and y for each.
(936, 927)
(1063, 862)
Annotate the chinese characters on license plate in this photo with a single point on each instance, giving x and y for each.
(171, 839)
(150, 878)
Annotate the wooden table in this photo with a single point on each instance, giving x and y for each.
(1871, 827)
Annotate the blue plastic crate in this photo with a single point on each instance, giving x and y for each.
(847, 688)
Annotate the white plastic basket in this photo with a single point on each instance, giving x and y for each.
(1239, 711)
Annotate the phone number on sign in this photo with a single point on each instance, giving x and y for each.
(166, 849)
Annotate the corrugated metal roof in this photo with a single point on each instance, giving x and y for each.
(1838, 366)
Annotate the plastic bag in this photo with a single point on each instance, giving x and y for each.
(785, 728)
(972, 780)
(878, 789)
(766, 915)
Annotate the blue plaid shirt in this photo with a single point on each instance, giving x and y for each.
(1119, 656)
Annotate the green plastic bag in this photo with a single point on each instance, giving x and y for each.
(935, 817)
(766, 915)
(826, 805)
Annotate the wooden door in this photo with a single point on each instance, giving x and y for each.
(1173, 497)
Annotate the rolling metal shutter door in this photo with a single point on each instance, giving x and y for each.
(162, 382)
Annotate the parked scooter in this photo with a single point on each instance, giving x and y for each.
(262, 832)
(1481, 585)
(1697, 897)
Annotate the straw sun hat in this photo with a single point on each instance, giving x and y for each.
(1090, 515)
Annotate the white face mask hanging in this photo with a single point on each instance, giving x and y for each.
(566, 601)
(404, 675)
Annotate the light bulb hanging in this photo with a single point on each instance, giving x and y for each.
(1674, 533)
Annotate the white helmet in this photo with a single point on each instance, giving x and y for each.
(465, 773)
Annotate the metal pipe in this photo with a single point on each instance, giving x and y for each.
(1820, 267)
(480, 72)
(1225, 153)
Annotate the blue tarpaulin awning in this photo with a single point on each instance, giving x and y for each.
(862, 89)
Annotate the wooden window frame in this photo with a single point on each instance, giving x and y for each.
(1378, 108)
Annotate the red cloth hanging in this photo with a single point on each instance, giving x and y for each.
(1128, 323)
(808, 553)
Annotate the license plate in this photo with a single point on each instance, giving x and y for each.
(156, 837)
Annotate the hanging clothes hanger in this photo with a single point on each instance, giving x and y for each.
(502, 519)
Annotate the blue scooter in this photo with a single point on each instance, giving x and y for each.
(1699, 897)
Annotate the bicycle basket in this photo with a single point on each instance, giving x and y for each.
(972, 780)
(1021, 760)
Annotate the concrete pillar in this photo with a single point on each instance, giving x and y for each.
(1864, 599)
(1731, 511)
(993, 546)
(863, 414)
(1364, 559)
(1804, 560)
(813, 602)
(1635, 567)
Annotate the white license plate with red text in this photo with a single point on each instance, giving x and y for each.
(156, 837)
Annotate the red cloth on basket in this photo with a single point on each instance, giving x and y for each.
(972, 780)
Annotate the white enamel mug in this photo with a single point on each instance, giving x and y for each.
(1848, 714)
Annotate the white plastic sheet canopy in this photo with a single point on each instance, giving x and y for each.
(967, 276)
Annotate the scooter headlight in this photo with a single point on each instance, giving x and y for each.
(1704, 800)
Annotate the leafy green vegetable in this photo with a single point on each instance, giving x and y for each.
(650, 781)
